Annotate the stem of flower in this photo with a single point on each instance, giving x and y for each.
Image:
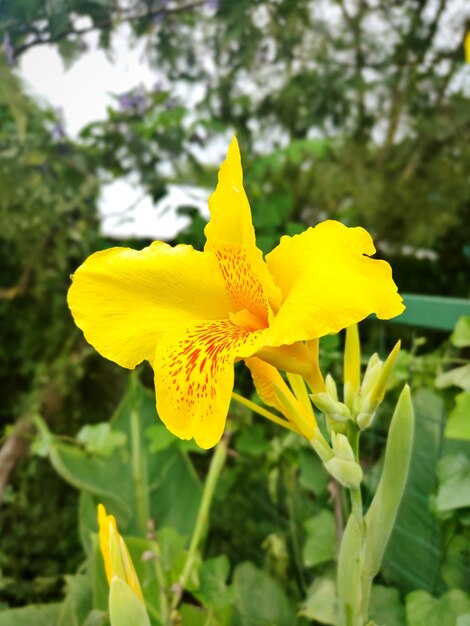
(140, 487)
(264, 412)
(215, 468)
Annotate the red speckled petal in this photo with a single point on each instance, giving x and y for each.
(194, 377)
(243, 287)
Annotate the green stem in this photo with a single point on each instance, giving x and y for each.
(215, 468)
(138, 477)
(164, 616)
(356, 505)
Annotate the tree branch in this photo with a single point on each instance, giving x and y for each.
(108, 23)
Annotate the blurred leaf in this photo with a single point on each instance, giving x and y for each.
(252, 441)
(260, 601)
(458, 424)
(213, 592)
(422, 609)
(454, 477)
(321, 603)
(37, 615)
(313, 475)
(100, 439)
(458, 377)
(386, 607)
(78, 601)
(320, 546)
(461, 335)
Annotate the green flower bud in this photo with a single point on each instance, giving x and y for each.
(342, 447)
(332, 408)
(347, 473)
(331, 387)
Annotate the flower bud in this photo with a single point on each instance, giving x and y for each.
(331, 387)
(343, 465)
(342, 447)
(332, 408)
(347, 473)
(372, 373)
(126, 602)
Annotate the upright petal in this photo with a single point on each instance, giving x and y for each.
(231, 223)
(124, 300)
(328, 283)
(194, 377)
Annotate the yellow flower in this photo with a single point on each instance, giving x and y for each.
(116, 557)
(467, 47)
(193, 314)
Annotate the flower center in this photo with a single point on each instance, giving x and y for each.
(247, 319)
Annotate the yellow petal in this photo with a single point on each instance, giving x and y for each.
(124, 300)
(194, 377)
(231, 223)
(104, 522)
(131, 574)
(273, 391)
(328, 283)
(265, 376)
(241, 283)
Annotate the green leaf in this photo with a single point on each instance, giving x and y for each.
(196, 616)
(35, 614)
(78, 601)
(454, 477)
(458, 425)
(380, 517)
(457, 377)
(422, 609)
(409, 560)
(100, 439)
(320, 546)
(96, 618)
(252, 441)
(213, 591)
(321, 604)
(312, 472)
(260, 601)
(386, 606)
(461, 335)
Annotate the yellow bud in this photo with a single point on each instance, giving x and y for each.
(116, 557)
(352, 358)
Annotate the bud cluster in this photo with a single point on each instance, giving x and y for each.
(355, 412)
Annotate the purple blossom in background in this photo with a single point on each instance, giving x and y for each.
(125, 102)
(58, 130)
(8, 50)
(157, 86)
(164, 3)
(133, 101)
(140, 101)
(213, 4)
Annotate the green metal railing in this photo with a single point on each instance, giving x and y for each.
(432, 311)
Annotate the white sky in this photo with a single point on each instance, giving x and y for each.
(83, 92)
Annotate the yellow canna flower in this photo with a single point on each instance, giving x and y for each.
(467, 47)
(116, 557)
(192, 314)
